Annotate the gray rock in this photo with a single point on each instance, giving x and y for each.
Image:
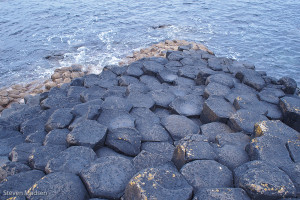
(203, 74)
(19, 183)
(56, 137)
(244, 120)
(147, 159)
(232, 156)
(270, 95)
(269, 149)
(138, 99)
(125, 140)
(152, 132)
(113, 119)
(117, 91)
(144, 115)
(4, 160)
(137, 87)
(88, 133)
(118, 70)
(221, 194)
(40, 156)
(75, 91)
(223, 79)
(60, 119)
(179, 126)
(251, 78)
(105, 151)
(36, 137)
(167, 76)
(105, 79)
(276, 128)
(151, 82)
(161, 112)
(58, 185)
(289, 84)
(290, 106)
(89, 110)
(294, 150)
(7, 144)
(216, 89)
(190, 148)
(238, 139)
(274, 112)
(162, 148)
(12, 168)
(175, 55)
(211, 130)
(158, 183)
(207, 173)
(92, 93)
(216, 109)
(32, 125)
(107, 177)
(116, 103)
(6, 133)
(162, 98)
(152, 67)
(127, 80)
(189, 105)
(263, 181)
(72, 160)
(189, 72)
(293, 171)
(21, 152)
(135, 70)
(185, 82)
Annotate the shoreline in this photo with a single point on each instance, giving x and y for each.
(16, 93)
(191, 125)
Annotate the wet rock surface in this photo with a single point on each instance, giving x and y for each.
(186, 126)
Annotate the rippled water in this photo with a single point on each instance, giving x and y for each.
(96, 33)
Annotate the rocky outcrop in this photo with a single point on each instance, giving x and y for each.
(186, 126)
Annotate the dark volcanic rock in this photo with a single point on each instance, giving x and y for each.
(127, 80)
(232, 156)
(269, 149)
(20, 182)
(152, 132)
(263, 181)
(152, 67)
(185, 82)
(216, 89)
(140, 100)
(158, 183)
(36, 137)
(56, 137)
(116, 119)
(203, 74)
(12, 168)
(211, 130)
(290, 106)
(250, 102)
(116, 103)
(72, 160)
(223, 79)
(144, 115)
(276, 128)
(293, 171)
(39, 158)
(117, 91)
(7, 144)
(147, 159)
(162, 148)
(251, 78)
(92, 93)
(207, 173)
(21, 152)
(151, 82)
(88, 133)
(216, 109)
(137, 87)
(289, 84)
(238, 139)
(107, 177)
(60, 119)
(105, 151)
(125, 140)
(135, 70)
(179, 126)
(189, 105)
(244, 120)
(192, 147)
(167, 76)
(60, 186)
(88, 110)
(162, 98)
(270, 95)
(221, 194)
(294, 150)
(6, 133)
(175, 55)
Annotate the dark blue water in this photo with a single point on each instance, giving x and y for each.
(95, 33)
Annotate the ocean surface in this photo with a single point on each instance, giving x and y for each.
(96, 33)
